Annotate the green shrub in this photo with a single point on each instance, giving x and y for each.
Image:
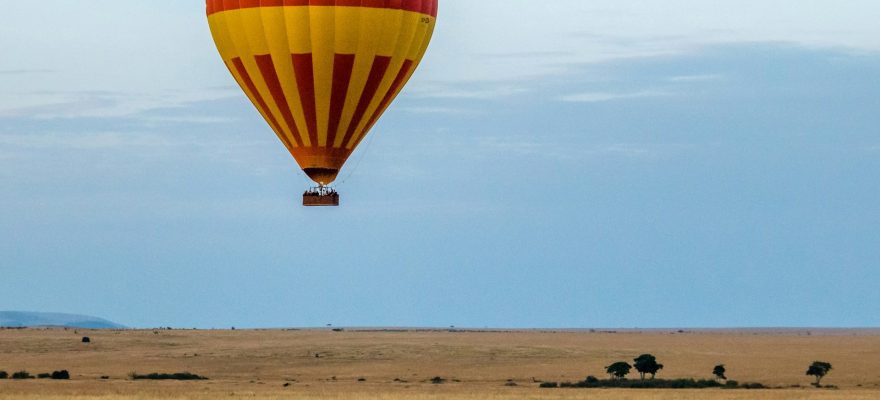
(22, 375)
(179, 376)
(753, 385)
(618, 370)
(4, 375)
(60, 375)
(594, 383)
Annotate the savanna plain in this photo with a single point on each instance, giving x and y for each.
(392, 364)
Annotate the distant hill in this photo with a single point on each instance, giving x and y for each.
(18, 319)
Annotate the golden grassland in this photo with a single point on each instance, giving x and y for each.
(521, 395)
(399, 365)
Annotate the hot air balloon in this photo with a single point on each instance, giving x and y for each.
(321, 72)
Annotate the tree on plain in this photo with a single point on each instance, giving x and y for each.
(819, 369)
(719, 372)
(618, 370)
(647, 364)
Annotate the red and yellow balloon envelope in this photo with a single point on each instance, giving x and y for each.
(322, 72)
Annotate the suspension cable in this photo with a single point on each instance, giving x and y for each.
(363, 155)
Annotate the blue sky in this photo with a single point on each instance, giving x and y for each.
(611, 164)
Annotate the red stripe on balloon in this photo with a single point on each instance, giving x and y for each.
(377, 72)
(427, 7)
(343, 64)
(261, 103)
(267, 69)
(305, 80)
(389, 97)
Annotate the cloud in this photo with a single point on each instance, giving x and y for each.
(193, 119)
(575, 150)
(599, 97)
(696, 78)
(440, 110)
(25, 71)
(534, 39)
(528, 54)
(88, 141)
(103, 104)
(455, 90)
(570, 148)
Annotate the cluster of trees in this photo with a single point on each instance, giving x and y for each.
(178, 376)
(63, 374)
(595, 383)
(646, 364)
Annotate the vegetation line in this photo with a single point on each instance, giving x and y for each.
(179, 376)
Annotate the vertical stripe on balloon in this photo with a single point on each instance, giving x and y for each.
(377, 72)
(342, 67)
(386, 101)
(267, 69)
(261, 103)
(305, 79)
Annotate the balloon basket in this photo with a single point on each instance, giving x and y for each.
(321, 197)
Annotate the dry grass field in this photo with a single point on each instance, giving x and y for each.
(389, 365)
